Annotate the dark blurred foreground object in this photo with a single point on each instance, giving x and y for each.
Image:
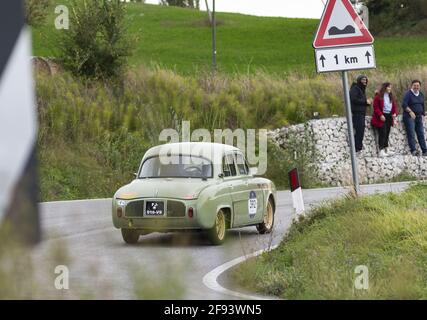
(19, 192)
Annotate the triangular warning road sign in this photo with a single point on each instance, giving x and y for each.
(341, 26)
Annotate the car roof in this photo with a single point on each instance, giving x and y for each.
(205, 149)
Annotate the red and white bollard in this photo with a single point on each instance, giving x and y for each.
(296, 192)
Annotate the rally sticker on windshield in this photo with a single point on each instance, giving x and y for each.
(252, 204)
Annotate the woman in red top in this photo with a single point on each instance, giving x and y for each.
(385, 112)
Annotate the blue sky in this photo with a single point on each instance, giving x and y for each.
(272, 8)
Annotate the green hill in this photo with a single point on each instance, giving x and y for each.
(180, 39)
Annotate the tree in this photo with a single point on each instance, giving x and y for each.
(96, 45)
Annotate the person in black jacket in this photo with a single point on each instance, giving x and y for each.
(359, 103)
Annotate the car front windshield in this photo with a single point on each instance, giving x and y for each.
(176, 166)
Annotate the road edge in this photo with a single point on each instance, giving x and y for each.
(210, 279)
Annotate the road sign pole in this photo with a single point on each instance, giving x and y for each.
(213, 36)
(350, 133)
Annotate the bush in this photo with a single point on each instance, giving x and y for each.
(299, 154)
(36, 11)
(392, 16)
(96, 45)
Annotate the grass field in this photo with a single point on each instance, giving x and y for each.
(317, 260)
(180, 39)
(268, 81)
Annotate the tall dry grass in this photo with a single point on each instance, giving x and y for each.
(92, 135)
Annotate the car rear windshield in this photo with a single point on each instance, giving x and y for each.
(179, 166)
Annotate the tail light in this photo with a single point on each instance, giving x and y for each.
(294, 179)
(119, 212)
(190, 212)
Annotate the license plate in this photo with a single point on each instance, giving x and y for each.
(154, 208)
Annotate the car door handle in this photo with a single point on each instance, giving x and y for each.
(231, 186)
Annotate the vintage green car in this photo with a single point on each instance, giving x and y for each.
(195, 186)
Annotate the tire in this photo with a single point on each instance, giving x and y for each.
(217, 234)
(267, 225)
(130, 236)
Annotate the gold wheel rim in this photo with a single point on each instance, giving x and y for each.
(220, 225)
(268, 216)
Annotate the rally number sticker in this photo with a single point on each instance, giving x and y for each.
(252, 204)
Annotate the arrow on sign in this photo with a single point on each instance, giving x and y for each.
(368, 56)
(322, 58)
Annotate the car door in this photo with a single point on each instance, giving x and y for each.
(229, 175)
(230, 178)
(248, 202)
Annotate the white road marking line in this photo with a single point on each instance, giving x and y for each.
(210, 279)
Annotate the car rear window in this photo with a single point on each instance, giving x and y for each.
(179, 166)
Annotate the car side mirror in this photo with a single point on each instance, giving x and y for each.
(221, 175)
(135, 175)
(253, 171)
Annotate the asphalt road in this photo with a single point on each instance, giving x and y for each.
(80, 235)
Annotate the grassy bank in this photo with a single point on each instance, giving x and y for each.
(180, 39)
(317, 260)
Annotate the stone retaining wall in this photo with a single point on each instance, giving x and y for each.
(333, 164)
